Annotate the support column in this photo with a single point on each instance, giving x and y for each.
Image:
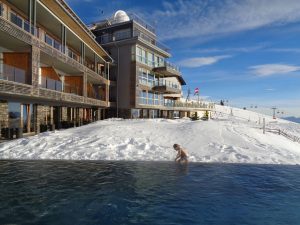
(35, 65)
(63, 38)
(95, 63)
(84, 85)
(36, 117)
(52, 118)
(1, 65)
(82, 51)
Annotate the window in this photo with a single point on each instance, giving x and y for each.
(16, 19)
(48, 40)
(14, 113)
(141, 55)
(151, 79)
(143, 97)
(57, 45)
(150, 57)
(142, 76)
(150, 98)
(156, 98)
(122, 34)
(26, 26)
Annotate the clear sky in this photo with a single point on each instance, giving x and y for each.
(243, 51)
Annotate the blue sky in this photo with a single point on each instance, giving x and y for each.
(246, 52)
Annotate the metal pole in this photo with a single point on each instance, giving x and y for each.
(264, 125)
(118, 81)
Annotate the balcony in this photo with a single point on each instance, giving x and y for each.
(12, 73)
(19, 28)
(125, 35)
(28, 91)
(167, 69)
(166, 87)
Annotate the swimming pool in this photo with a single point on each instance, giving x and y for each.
(89, 192)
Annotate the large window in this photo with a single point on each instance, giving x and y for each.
(147, 77)
(143, 76)
(151, 98)
(122, 34)
(143, 97)
(14, 112)
(150, 58)
(151, 79)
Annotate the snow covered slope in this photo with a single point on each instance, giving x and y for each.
(234, 137)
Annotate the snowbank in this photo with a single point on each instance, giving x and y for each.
(228, 138)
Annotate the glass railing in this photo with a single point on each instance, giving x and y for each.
(24, 24)
(141, 22)
(12, 73)
(51, 84)
(169, 65)
(202, 105)
(167, 84)
(137, 33)
(117, 36)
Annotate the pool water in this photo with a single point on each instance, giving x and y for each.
(64, 192)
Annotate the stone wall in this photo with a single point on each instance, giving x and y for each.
(3, 114)
(64, 114)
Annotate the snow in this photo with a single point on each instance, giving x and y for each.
(234, 137)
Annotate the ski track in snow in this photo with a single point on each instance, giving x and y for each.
(226, 139)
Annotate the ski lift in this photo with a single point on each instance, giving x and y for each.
(255, 106)
(278, 112)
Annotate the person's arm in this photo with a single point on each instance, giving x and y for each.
(178, 155)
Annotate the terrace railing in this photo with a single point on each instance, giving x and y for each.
(11, 73)
(123, 35)
(200, 105)
(167, 84)
(51, 84)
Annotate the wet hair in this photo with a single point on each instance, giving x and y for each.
(176, 146)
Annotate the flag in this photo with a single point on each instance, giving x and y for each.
(196, 92)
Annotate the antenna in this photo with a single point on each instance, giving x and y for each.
(188, 95)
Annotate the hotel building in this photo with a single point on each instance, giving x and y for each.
(143, 83)
(53, 73)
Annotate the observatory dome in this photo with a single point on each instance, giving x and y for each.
(121, 16)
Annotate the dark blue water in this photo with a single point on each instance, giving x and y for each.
(43, 192)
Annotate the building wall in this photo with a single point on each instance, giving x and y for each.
(50, 73)
(124, 84)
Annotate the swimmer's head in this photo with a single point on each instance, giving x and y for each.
(176, 146)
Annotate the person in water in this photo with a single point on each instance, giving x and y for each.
(182, 155)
